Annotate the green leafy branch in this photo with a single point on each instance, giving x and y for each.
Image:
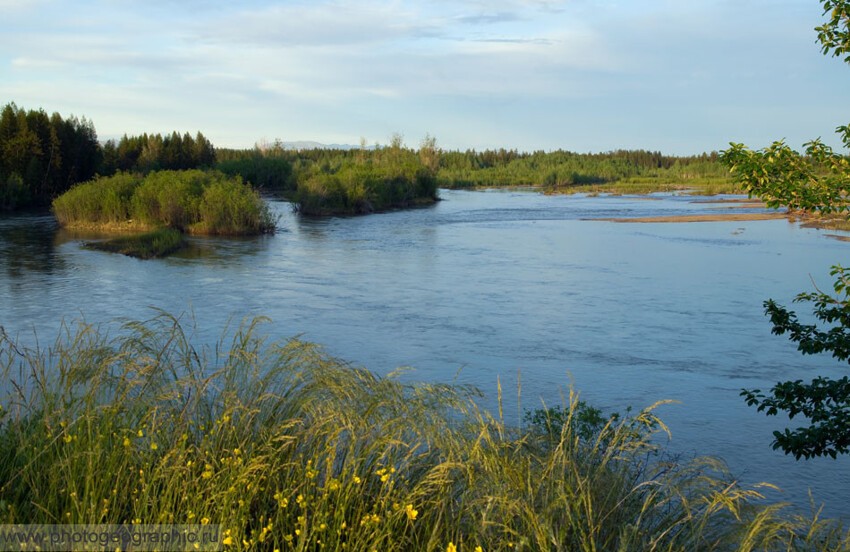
(824, 402)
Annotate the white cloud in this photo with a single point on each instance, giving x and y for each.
(540, 73)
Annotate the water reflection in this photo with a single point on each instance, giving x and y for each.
(27, 245)
(215, 250)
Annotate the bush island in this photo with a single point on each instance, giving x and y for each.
(371, 181)
(193, 201)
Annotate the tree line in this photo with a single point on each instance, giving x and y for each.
(42, 156)
(155, 152)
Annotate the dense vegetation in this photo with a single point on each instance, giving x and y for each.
(265, 168)
(193, 201)
(556, 172)
(41, 156)
(341, 182)
(287, 448)
(814, 183)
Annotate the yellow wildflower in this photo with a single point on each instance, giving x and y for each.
(479, 549)
(411, 513)
(141, 433)
(370, 518)
(451, 547)
(227, 541)
(154, 446)
(357, 480)
(126, 441)
(205, 521)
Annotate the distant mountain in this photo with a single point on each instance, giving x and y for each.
(308, 144)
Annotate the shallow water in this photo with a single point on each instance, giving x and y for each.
(487, 285)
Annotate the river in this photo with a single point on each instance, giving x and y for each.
(484, 285)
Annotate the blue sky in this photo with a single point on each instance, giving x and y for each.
(680, 76)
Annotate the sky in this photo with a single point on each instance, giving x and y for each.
(677, 76)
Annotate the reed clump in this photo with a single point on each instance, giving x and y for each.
(192, 201)
(288, 448)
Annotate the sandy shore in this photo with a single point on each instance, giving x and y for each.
(701, 218)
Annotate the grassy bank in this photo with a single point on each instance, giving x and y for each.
(148, 245)
(192, 201)
(290, 449)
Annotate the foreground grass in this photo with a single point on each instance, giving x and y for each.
(290, 449)
(149, 245)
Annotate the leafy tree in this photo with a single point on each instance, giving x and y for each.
(816, 182)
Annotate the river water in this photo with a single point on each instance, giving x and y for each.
(485, 285)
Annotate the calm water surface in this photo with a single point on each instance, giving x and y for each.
(493, 284)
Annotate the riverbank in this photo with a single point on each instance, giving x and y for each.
(720, 217)
(296, 449)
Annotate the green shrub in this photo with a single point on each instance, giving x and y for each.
(102, 200)
(358, 188)
(261, 171)
(170, 198)
(231, 207)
